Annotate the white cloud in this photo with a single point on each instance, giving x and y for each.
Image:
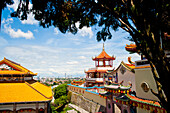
(30, 20)
(18, 33)
(14, 6)
(85, 31)
(82, 57)
(55, 31)
(72, 62)
(36, 30)
(3, 42)
(50, 41)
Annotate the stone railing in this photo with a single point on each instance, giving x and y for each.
(95, 79)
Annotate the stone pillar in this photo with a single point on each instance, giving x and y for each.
(45, 107)
(37, 106)
(14, 108)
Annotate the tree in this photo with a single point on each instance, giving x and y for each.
(60, 90)
(145, 20)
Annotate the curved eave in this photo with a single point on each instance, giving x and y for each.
(105, 58)
(149, 102)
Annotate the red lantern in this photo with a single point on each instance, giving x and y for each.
(147, 107)
(130, 102)
(121, 91)
(41, 109)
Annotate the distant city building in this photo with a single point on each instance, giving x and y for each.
(19, 92)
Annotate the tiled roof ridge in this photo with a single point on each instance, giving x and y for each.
(127, 67)
(42, 84)
(12, 63)
(18, 64)
(154, 101)
(37, 91)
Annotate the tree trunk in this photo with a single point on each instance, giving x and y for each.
(160, 68)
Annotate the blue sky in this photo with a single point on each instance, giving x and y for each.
(48, 52)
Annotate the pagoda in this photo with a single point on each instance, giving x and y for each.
(103, 63)
(20, 92)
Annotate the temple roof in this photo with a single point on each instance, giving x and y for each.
(13, 68)
(104, 55)
(24, 92)
(96, 70)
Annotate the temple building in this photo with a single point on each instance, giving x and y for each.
(20, 92)
(103, 63)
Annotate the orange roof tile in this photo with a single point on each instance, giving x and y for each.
(12, 72)
(45, 90)
(142, 67)
(20, 92)
(18, 68)
(103, 55)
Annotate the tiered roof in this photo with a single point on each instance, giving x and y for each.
(15, 68)
(24, 92)
(104, 55)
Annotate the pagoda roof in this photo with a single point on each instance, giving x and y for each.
(24, 92)
(16, 69)
(131, 47)
(104, 55)
(96, 70)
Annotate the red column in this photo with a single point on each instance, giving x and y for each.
(45, 107)
(36, 107)
(104, 63)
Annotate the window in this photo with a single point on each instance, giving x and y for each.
(122, 70)
(145, 87)
(109, 106)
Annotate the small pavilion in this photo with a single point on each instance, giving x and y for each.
(103, 63)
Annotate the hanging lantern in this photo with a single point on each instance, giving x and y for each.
(147, 107)
(124, 91)
(151, 108)
(130, 102)
(127, 91)
(116, 91)
(121, 91)
(133, 104)
(142, 106)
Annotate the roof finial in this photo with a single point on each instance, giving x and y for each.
(103, 46)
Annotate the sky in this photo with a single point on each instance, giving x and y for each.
(50, 53)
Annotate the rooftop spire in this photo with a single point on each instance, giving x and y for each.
(103, 46)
